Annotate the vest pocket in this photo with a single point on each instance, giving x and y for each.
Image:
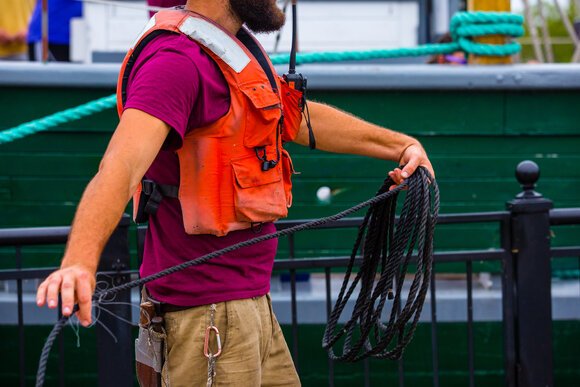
(263, 114)
(259, 196)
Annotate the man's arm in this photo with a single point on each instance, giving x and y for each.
(340, 132)
(132, 149)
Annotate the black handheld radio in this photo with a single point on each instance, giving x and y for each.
(298, 81)
(295, 81)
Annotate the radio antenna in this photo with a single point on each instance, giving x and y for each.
(294, 48)
(298, 81)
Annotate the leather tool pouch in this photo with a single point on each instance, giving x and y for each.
(149, 347)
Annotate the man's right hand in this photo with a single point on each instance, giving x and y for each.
(75, 284)
(133, 147)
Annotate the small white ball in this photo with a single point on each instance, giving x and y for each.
(324, 194)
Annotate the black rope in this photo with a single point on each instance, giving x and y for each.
(388, 250)
(417, 185)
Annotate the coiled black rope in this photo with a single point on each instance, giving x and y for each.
(388, 250)
(419, 179)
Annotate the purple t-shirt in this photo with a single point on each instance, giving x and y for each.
(176, 81)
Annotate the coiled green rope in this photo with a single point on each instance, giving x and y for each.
(464, 26)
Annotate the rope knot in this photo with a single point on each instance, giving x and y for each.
(467, 25)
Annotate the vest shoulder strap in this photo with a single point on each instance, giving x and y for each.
(256, 50)
(201, 30)
(234, 53)
(217, 41)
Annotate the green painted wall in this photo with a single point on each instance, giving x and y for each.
(475, 139)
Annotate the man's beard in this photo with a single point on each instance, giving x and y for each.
(259, 15)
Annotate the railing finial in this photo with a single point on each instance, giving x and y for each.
(527, 174)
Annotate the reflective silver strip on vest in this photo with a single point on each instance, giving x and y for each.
(217, 41)
(150, 24)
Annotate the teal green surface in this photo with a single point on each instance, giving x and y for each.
(81, 369)
(474, 138)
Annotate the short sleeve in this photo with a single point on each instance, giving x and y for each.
(165, 83)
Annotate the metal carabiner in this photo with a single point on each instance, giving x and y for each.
(206, 343)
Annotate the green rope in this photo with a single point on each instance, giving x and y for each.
(464, 26)
(57, 119)
(341, 56)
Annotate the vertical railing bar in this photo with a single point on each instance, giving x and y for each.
(400, 362)
(293, 303)
(328, 311)
(367, 372)
(60, 349)
(114, 351)
(21, 344)
(434, 347)
(294, 317)
(508, 305)
(401, 371)
(470, 346)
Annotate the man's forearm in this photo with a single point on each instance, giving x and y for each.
(340, 132)
(98, 213)
(133, 147)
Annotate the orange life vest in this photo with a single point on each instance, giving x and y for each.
(234, 172)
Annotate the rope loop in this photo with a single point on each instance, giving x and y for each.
(390, 247)
(467, 25)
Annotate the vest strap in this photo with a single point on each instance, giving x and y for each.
(152, 195)
(217, 41)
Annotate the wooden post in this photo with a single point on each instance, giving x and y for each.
(490, 5)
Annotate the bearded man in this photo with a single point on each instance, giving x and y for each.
(203, 118)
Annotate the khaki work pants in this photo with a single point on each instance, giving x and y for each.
(254, 352)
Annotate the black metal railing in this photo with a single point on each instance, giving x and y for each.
(524, 254)
(113, 269)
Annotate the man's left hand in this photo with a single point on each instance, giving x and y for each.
(413, 157)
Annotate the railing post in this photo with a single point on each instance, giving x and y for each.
(115, 355)
(530, 227)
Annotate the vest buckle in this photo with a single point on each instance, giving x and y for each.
(261, 155)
